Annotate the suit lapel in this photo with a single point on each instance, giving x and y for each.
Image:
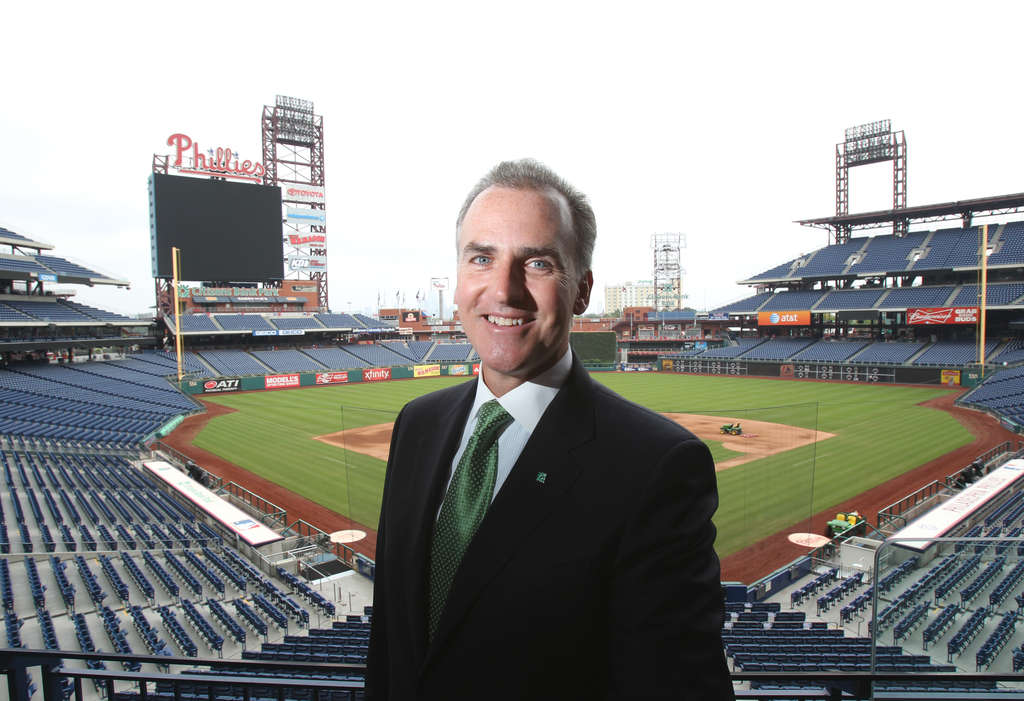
(544, 471)
(433, 458)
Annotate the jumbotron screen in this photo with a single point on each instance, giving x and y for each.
(225, 230)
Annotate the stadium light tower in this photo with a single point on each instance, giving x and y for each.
(668, 273)
(874, 142)
(293, 155)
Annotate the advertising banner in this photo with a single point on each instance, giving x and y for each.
(458, 369)
(426, 371)
(476, 368)
(788, 318)
(307, 262)
(302, 193)
(224, 384)
(942, 315)
(305, 215)
(718, 316)
(264, 332)
(228, 515)
(281, 381)
(307, 239)
(376, 374)
(410, 316)
(331, 378)
(950, 377)
(291, 332)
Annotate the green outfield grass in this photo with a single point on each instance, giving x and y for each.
(880, 433)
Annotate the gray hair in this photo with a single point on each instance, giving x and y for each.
(528, 174)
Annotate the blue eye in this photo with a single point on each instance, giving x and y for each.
(480, 260)
(540, 264)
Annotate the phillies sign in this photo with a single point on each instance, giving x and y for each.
(219, 162)
(934, 316)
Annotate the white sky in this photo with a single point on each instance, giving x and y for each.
(718, 122)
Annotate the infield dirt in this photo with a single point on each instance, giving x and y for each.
(758, 440)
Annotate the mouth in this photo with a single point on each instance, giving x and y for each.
(505, 320)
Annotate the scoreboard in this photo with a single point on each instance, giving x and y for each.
(845, 373)
(835, 372)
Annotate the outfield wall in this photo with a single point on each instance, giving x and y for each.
(290, 380)
(836, 372)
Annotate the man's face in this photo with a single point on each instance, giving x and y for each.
(517, 286)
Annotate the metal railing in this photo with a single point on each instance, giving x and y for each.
(290, 680)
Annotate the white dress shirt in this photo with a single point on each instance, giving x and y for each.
(526, 404)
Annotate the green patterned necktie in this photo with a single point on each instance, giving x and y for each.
(465, 504)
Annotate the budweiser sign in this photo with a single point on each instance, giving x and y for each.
(942, 315)
(220, 162)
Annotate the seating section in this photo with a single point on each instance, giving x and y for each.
(243, 322)
(97, 402)
(885, 253)
(830, 351)
(377, 356)
(917, 252)
(789, 301)
(1001, 393)
(889, 352)
(449, 352)
(288, 361)
(953, 353)
(296, 322)
(336, 358)
(910, 297)
(195, 322)
(339, 321)
(849, 299)
(745, 306)
(997, 294)
(51, 312)
(743, 345)
(234, 362)
(777, 349)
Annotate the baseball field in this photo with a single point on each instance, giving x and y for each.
(805, 445)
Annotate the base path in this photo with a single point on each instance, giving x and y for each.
(297, 507)
(767, 555)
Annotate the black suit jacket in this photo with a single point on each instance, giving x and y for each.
(592, 575)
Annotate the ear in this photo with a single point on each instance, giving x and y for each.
(585, 285)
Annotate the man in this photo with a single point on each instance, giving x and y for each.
(540, 536)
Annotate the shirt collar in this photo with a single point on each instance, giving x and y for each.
(527, 402)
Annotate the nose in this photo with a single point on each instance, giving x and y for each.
(509, 284)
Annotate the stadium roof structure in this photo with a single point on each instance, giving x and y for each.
(964, 210)
(9, 238)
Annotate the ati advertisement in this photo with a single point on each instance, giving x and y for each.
(376, 374)
(226, 384)
(802, 318)
(331, 378)
(942, 315)
(281, 381)
(426, 371)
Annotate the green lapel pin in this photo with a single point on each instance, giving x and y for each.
(541, 476)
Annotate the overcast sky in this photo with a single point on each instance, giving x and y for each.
(718, 122)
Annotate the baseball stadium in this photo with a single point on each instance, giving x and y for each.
(190, 500)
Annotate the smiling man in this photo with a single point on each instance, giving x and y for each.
(540, 536)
